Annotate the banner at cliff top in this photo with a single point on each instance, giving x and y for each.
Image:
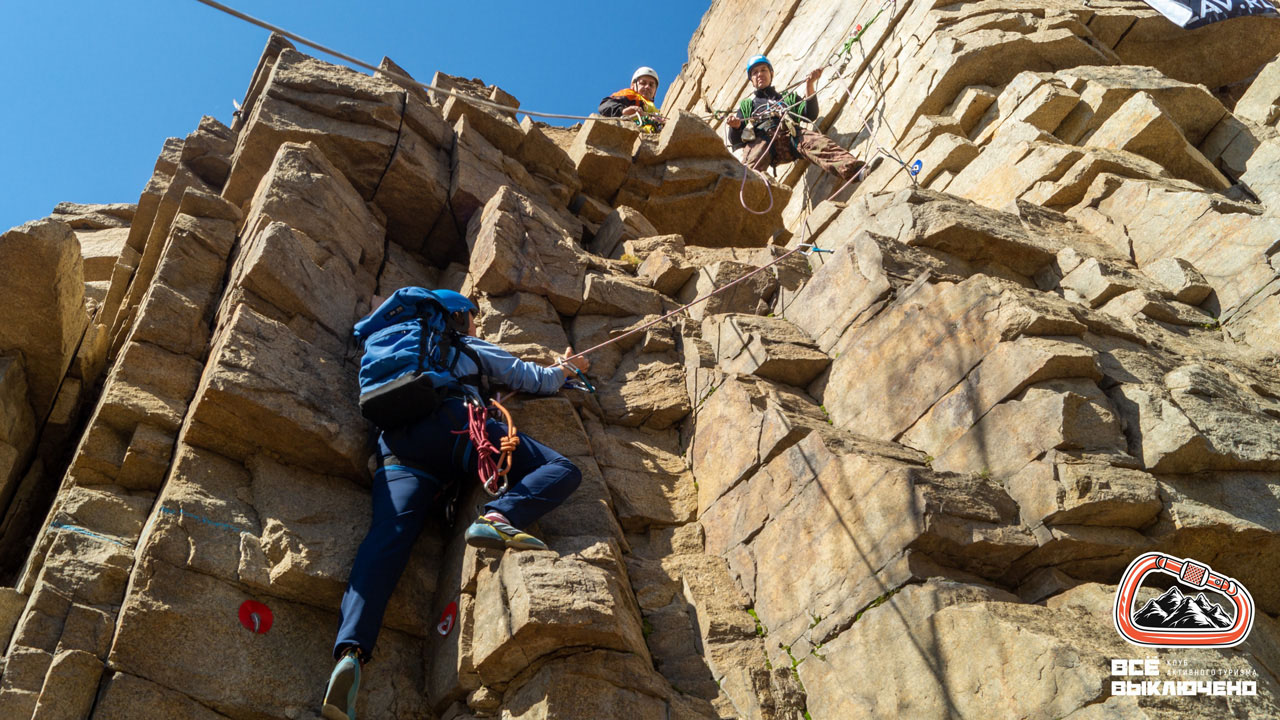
(1191, 14)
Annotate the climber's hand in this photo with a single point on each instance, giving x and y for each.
(582, 363)
(735, 121)
(631, 111)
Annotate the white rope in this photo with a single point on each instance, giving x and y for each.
(398, 76)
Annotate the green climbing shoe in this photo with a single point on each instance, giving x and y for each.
(488, 533)
(344, 683)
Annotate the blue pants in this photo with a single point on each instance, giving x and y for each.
(404, 498)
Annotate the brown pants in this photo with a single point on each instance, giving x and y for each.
(812, 146)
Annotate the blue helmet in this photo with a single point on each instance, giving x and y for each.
(454, 301)
(758, 60)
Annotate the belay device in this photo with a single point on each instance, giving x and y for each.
(410, 351)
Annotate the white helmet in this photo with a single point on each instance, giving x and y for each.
(642, 71)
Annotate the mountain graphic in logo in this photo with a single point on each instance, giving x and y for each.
(1175, 610)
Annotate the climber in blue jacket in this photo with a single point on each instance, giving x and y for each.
(416, 464)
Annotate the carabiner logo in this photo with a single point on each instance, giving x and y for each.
(1178, 618)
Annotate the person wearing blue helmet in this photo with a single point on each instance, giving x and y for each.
(419, 463)
(772, 126)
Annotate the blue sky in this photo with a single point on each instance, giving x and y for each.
(94, 87)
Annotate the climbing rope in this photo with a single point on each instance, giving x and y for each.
(492, 465)
(860, 30)
(833, 58)
(878, 110)
(489, 468)
(842, 53)
(742, 189)
(747, 170)
(691, 303)
(404, 79)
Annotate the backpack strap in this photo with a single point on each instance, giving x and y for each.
(480, 379)
(422, 340)
(425, 306)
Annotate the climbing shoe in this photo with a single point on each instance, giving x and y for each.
(344, 683)
(488, 533)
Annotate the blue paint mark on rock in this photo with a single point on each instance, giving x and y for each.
(201, 519)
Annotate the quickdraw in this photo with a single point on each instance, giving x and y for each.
(582, 377)
(649, 122)
(859, 31)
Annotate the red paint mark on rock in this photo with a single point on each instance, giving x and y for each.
(448, 619)
(255, 616)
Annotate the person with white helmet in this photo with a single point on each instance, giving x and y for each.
(772, 126)
(636, 101)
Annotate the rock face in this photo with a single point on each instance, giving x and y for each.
(922, 458)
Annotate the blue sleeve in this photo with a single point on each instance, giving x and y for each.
(515, 373)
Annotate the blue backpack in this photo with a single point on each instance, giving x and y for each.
(410, 351)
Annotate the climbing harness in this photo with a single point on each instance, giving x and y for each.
(492, 465)
(648, 119)
(779, 116)
(748, 169)
(400, 77)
